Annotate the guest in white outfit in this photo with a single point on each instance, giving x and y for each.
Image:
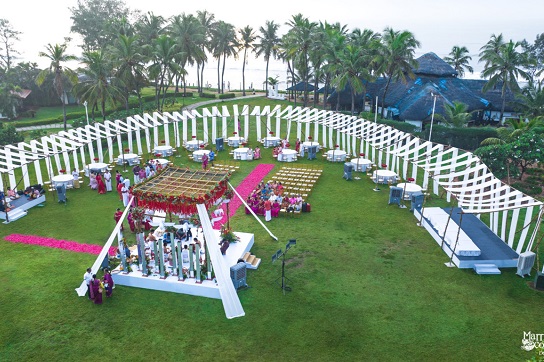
(107, 179)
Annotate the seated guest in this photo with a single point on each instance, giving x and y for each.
(92, 181)
(275, 211)
(257, 153)
(275, 152)
(12, 194)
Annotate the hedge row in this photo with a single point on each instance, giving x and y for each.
(226, 96)
(207, 95)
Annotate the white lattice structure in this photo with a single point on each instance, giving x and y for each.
(461, 173)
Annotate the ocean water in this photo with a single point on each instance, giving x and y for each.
(255, 74)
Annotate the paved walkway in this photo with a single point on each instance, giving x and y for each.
(188, 108)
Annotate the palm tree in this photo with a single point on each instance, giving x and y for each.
(189, 34)
(247, 37)
(396, 58)
(163, 66)
(514, 128)
(63, 76)
(503, 67)
(351, 72)
(97, 86)
(128, 65)
(531, 100)
(455, 115)
(268, 43)
(224, 45)
(491, 49)
(459, 60)
(302, 32)
(334, 45)
(149, 28)
(207, 21)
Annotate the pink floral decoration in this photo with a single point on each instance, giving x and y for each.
(57, 244)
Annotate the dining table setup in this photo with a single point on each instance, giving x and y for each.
(193, 145)
(130, 159)
(96, 167)
(164, 151)
(287, 155)
(61, 179)
(197, 155)
(305, 145)
(336, 155)
(361, 164)
(243, 154)
(271, 141)
(384, 176)
(235, 141)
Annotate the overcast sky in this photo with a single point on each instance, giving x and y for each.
(437, 24)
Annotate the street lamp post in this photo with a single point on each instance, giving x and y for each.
(432, 115)
(86, 112)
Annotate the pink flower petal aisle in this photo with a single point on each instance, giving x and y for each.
(57, 244)
(244, 189)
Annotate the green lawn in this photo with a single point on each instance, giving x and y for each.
(368, 284)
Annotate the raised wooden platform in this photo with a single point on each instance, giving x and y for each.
(20, 206)
(207, 288)
(493, 249)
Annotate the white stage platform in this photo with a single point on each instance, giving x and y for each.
(21, 205)
(492, 249)
(207, 288)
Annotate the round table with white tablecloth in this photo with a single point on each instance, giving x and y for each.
(163, 151)
(271, 141)
(96, 168)
(287, 155)
(360, 164)
(68, 180)
(235, 141)
(161, 161)
(336, 155)
(384, 176)
(130, 158)
(243, 154)
(197, 155)
(307, 144)
(193, 145)
(409, 189)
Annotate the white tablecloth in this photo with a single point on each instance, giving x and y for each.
(360, 164)
(163, 162)
(193, 145)
(287, 155)
(271, 141)
(243, 154)
(307, 144)
(409, 189)
(130, 158)
(163, 150)
(235, 141)
(98, 166)
(68, 180)
(336, 155)
(197, 155)
(384, 176)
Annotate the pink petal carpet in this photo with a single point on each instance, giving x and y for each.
(57, 244)
(244, 189)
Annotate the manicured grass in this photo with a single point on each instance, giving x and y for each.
(368, 284)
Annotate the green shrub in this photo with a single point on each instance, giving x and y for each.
(207, 95)
(466, 138)
(227, 95)
(528, 189)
